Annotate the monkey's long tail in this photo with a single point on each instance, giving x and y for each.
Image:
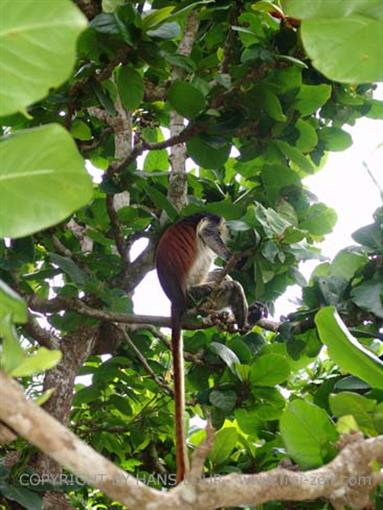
(182, 462)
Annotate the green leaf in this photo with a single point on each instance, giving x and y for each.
(369, 296)
(348, 403)
(69, 267)
(130, 87)
(224, 443)
(36, 163)
(275, 178)
(166, 31)
(347, 263)
(311, 97)
(156, 161)
(12, 304)
(370, 236)
(37, 49)
(269, 370)
(12, 353)
(319, 220)
(224, 400)
(351, 42)
(308, 138)
(248, 420)
(295, 156)
(160, 201)
(335, 139)
(347, 31)
(186, 99)
(346, 351)
(154, 18)
(42, 359)
(205, 155)
(105, 23)
(122, 404)
(308, 433)
(226, 354)
(80, 130)
(270, 103)
(26, 498)
(334, 9)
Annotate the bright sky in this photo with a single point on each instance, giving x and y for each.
(343, 184)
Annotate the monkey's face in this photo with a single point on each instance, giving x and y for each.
(213, 231)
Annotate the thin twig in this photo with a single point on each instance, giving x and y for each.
(145, 364)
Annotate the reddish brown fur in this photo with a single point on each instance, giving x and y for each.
(176, 252)
(175, 255)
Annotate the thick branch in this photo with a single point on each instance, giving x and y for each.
(177, 192)
(347, 480)
(79, 306)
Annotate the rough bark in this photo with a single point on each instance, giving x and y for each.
(347, 480)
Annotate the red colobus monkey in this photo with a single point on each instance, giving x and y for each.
(183, 259)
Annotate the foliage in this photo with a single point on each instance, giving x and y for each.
(261, 117)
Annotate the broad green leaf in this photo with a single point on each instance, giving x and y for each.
(277, 177)
(80, 130)
(347, 263)
(269, 402)
(12, 304)
(156, 161)
(335, 9)
(248, 420)
(308, 138)
(269, 370)
(352, 43)
(160, 201)
(273, 107)
(28, 499)
(12, 353)
(155, 17)
(166, 31)
(205, 155)
(295, 156)
(37, 49)
(122, 404)
(69, 267)
(319, 220)
(335, 139)
(370, 236)
(346, 351)
(186, 99)
(224, 443)
(311, 97)
(226, 354)
(361, 408)
(369, 296)
(224, 400)
(130, 87)
(308, 433)
(35, 165)
(348, 31)
(42, 359)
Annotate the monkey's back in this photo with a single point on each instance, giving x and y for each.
(175, 255)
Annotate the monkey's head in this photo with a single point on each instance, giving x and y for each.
(212, 229)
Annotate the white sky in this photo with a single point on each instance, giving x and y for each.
(343, 184)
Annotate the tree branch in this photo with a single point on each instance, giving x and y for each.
(177, 191)
(347, 480)
(57, 304)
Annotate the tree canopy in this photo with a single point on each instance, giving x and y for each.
(119, 117)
